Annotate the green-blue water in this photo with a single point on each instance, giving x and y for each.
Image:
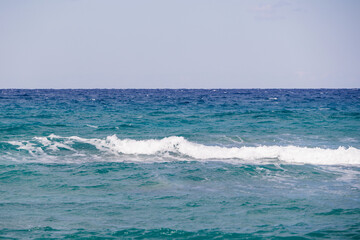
(183, 164)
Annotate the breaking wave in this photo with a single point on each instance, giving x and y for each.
(179, 148)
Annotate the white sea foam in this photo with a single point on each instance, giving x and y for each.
(92, 126)
(53, 145)
(28, 146)
(179, 146)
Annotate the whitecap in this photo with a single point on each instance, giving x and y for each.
(182, 148)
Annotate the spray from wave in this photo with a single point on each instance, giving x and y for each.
(181, 149)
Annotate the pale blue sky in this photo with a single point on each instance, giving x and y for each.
(180, 44)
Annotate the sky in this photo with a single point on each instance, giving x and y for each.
(180, 44)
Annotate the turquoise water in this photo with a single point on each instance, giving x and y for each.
(186, 164)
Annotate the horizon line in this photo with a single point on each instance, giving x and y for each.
(353, 88)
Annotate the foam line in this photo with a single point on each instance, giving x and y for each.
(195, 151)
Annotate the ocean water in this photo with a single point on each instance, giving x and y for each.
(180, 164)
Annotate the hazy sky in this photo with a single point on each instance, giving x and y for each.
(179, 44)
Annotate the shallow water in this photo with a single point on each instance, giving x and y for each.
(180, 164)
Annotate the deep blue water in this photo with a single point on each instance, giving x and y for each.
(185, 164)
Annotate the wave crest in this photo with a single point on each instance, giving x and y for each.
(180, 146)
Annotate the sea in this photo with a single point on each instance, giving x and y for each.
(180, 164)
